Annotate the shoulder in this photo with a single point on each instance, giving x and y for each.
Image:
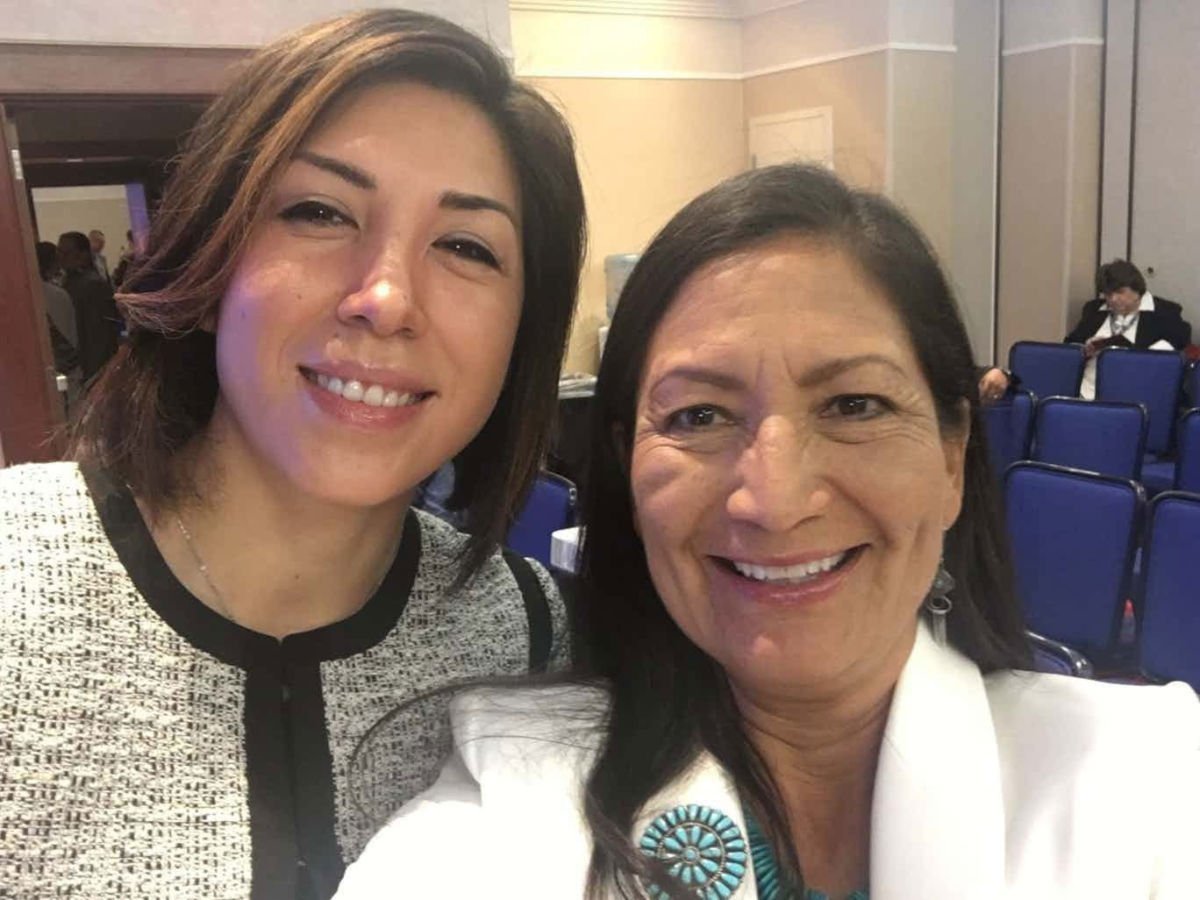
(1074, 734)
(442, 550)
(516, 777)
(33, 483)
(1167, 307)
(1093, 715)
(499, 729)
(1092, 307)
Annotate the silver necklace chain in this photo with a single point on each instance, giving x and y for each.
(223, 607)
(222, 603)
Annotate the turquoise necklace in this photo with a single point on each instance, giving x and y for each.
(768, 878)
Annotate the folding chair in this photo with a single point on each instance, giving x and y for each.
(1048, 370)
(1169, 644)
(1073, 538)
(1149, 377)
(1187, 466)
(1057, 658)
(549, 507)
(1096, 436)
(1009, 423)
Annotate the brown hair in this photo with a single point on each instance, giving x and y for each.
(158, 392)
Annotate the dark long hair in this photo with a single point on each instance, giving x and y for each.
(669, 700)
(159, 391)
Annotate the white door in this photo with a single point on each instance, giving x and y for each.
(803, 135)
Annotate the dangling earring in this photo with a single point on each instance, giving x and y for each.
(938, 603)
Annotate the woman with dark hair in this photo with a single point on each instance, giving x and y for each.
(1125, 314)
(364, 266)
(805, 646)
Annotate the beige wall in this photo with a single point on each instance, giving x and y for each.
(922, 101)
(656, 106)
(645, 148)
(1049, 190)
(856, 88)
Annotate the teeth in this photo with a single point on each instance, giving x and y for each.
(370, 394)
(373, 396)
(800, 572)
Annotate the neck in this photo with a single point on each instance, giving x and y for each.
(279, 561)
(822, 748)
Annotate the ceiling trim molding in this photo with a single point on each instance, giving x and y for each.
(693, 9)
(1054, 45)
(848, 54)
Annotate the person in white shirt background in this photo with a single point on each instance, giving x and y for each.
(1125, 314)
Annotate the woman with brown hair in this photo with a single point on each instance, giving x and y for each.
(364, 266)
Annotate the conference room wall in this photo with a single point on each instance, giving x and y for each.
(856, 90)
(646, 147)
(1049, 190)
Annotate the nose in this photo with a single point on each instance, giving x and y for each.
(386, 299)
(780, 478)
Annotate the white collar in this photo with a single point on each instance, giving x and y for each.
(1147, 304)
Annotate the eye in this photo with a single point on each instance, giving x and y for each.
(857, 406)
(469, 249)
(697, 418)
(313, 212)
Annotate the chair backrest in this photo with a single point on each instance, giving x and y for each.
(1009, 424)
(1057, 658)
(1187, 466)
(1073, 537)
(1191, 383)
(1048, 370)
(1097, 436)
(1150, 377)
(550, 506)
(1169, 643)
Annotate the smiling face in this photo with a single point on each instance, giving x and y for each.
(790, 481)
(365, 335)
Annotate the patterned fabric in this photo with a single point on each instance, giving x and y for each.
(125, 764)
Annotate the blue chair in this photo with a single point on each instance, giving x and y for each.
(1009, 424)
(1073, 538)
(1191, 383)
(1187, 466)
(1057, 658)
(1169, 645)
(1048, 370)
(1149, 377)
(550, 506)
(1096, 436)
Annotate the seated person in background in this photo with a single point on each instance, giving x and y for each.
(994, 382)
(1125, 314)
(788, 694)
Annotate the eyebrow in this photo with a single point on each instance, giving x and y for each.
(343, 170)
(459, 200)
(835, 367)
(816, 375)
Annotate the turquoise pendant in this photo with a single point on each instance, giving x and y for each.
(702, 847)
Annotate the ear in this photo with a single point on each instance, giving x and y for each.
(954, 448)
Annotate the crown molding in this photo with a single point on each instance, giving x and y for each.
(694, 9)
(1054, 45)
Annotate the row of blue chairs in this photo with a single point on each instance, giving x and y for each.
(1085, 544)
(1104, 436)
(1056, 370)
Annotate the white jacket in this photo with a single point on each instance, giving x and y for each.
(1014, 785)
